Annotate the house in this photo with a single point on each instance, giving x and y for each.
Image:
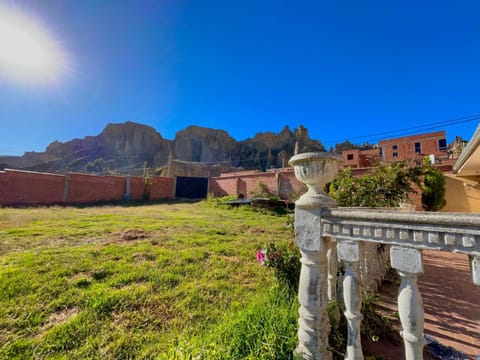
(358, 159)
(463, 184)
(414, 147)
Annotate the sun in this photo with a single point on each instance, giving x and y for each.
(28, 53)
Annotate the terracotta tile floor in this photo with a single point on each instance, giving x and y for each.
(451, 302)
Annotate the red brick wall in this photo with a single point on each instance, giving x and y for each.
(162, 188)
(224, 185)
(290, 187)
(83, 188)
(283, 183)
(249, 184)
(30, 188)
(137, 188)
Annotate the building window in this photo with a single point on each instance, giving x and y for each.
(418, 148)
(349, 156)
(442, 144)
(395, 154)
(381, 152)
(394, 147)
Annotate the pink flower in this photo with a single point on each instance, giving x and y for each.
(260, 256)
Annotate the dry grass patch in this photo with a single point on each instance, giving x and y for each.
(130, 234)
(150, 313)
(58, 318)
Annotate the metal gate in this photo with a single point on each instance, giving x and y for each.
(191, 187)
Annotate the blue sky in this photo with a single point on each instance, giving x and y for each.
(343, 69)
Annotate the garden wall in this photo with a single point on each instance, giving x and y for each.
(280, 182)
(162, 188)
(30, 188)
(84, 189)
(18, 188)
(137, 188)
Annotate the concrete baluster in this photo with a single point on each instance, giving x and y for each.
(374, 276)
(366, 267)
(352, 295)
(475, 269)
(315, 170)
(332, 269)
(332, 259)
(379, 270)
(408, 263)
(386, 259)
(314, 326)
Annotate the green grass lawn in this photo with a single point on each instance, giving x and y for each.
(152, 281)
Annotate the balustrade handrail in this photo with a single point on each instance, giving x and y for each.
(408, 217)
(455, 232)
(325, 233)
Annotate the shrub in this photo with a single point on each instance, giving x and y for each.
(389, 185)
(285, 260)
(433, 191)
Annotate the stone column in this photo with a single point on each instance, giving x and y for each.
(408, 263)
(128, 188)
(66, 187)
(352, 295)
(314, 170)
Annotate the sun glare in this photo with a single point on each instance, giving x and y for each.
(28, 53)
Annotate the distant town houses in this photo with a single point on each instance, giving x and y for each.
(413, 147)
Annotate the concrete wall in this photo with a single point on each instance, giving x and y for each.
(32, 188)
(281, 182)
(462, 195)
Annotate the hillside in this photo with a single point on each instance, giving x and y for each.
(129, 147)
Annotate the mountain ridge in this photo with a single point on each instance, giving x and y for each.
(130, 147)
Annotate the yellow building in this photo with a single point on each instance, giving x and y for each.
(463, 185)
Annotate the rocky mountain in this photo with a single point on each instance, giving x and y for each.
(130, 147)
(269, 150)
(199, 144)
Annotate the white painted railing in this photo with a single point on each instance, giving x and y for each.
(325, 233)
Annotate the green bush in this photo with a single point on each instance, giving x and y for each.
(285, 260)
(389, 185)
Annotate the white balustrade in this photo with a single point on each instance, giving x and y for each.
(349, 253)
(363, 237)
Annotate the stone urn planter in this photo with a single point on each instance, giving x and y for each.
(315, 169)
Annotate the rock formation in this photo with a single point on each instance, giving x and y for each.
(130, 147)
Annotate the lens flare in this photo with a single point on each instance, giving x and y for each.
(28, 52)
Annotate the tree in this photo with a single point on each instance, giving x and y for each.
(389, 185)
(433, 190)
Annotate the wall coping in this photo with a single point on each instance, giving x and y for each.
(456, 232)
(29, 172)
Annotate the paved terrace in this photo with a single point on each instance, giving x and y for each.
(452, 310)
(451, 301)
